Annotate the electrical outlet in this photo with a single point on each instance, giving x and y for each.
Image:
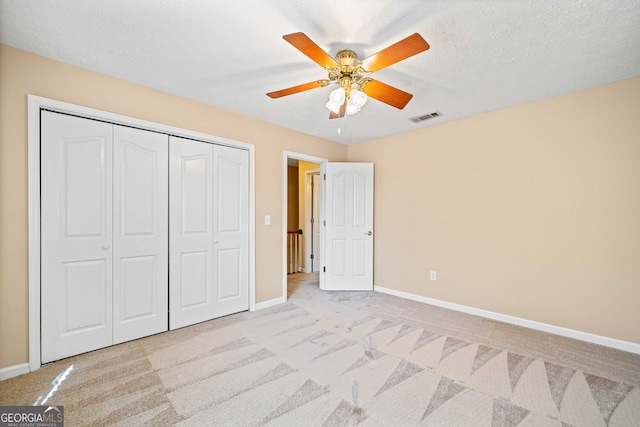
(432, 275)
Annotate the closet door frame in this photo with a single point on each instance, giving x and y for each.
(38, 103)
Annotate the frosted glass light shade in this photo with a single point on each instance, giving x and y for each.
(336, 99)
(337, 96)
(358, 97)
(352, 107)
(333, 106)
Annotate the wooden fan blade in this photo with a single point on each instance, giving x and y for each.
(387, 94)
(299, 88)
(305, 45)
(340, 113)
(395, 53)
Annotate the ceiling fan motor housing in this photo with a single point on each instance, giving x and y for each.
(348, 63)
(349, 72)
(347, 57)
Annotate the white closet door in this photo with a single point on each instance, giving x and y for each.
(190, 232)
(231, 234)
(140, 233)
(209, 220)
(76, 209)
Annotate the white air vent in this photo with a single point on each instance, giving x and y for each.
(422, 118)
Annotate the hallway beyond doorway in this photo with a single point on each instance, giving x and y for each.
(296, 281)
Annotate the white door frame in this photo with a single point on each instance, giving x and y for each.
(286, 155)
(306, 227)
(37, 103)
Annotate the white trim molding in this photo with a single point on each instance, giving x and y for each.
(269, 303)
(35, 105)
(14, 371)
(308, 207)
(531, 324)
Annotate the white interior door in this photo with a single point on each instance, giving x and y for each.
(76, 235)
(190, 232)
(347, 252)
(231, 233)
(140, 233)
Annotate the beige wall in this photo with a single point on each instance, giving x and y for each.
(293, 205)
(531, 211)
(22, 73)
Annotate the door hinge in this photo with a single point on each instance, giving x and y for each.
(324, 222)
(311, 256)
(324, 269)
(325, 177)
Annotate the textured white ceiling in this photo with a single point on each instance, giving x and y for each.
(485, 54)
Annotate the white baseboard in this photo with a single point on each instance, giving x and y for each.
(14, 371)
(531, 324)
(269, 303)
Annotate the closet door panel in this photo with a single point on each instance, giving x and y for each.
(191, 232)
(231, 234)
(141, 233)
(76, 234)
(195, 279)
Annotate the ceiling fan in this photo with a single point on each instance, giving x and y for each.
(352, 75)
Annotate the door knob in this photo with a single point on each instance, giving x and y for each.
(368, 233)
(105, 248)
(215, 242)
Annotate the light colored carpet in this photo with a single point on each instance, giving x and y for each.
(342, 358)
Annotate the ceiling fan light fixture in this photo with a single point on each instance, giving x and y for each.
(352, 107)
(338, 96)
(336, 99)
(333, 107)
(356, 100)
(358, 97)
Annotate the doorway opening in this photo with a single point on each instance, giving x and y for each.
(346, 245)
(301, 248)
